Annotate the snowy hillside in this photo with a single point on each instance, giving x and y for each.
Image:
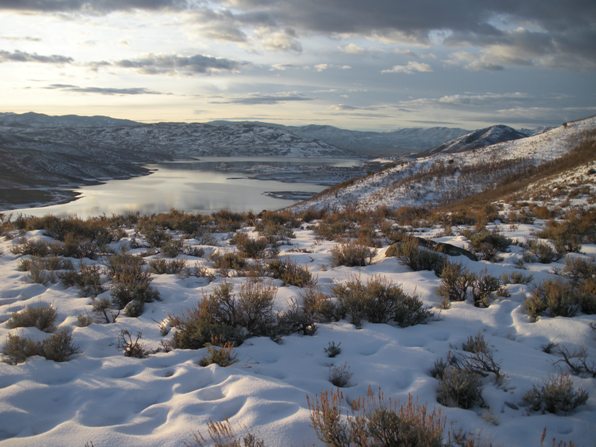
(447, 177)
(478, 138)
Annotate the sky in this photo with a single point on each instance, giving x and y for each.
(356, 64)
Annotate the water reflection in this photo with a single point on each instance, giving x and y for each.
(184, 186)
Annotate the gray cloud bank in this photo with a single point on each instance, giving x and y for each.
(174, 64)
(151, 64)
(528, 32)
(103, 90)
(21, 56)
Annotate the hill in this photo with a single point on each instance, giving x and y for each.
(477, 139)
(448, 177)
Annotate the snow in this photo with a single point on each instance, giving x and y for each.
(403, 185)
(103, 397)
(100, 396)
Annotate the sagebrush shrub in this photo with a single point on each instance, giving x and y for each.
(556, 395)
(84, 320)
(87, 279)
(294, 320)
(333, 349)
(221, 434)
(223, 317)
(410, 311)
(543, 252)
(131, 347)
(58, 347)
(409, 252)
(378, 301)
(475, 343)
(171, 248)
(34, 248)
(42, 317)
(220, 355)
(250, 248)
(459, 388)
(351, 254)
(131, 283)
(103, 306)
(455, 281)
(17, 349)
(489, 243)
(77, 246)
(579, 269)
(516, 278)
(255, 307)
(374, 421)
(483, 286)
(231, 261)
(290, 273)
(555, 298)
(317, 306)
(340, 375)
(164, 266)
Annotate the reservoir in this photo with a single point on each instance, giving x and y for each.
(207, 185)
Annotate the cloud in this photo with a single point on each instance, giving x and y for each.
(21, 38)
(470, 100)
(535, 32)
(409, 68)
(321, 67)
(175, 64)
(220, 25)
(103, 90)
(21, 56)
(91, 6)
(264, 99)
(352, 48)
(278, 40)
(484, 98)
(538, 32)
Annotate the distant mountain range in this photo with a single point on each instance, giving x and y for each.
(45, 157)
(372, 144)
(41, 120)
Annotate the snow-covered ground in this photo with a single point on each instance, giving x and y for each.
(449, 176)
(103, 397)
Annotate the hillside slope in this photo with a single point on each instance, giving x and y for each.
(449, 177)
(477, 139)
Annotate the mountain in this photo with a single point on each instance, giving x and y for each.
(32, 119)
(397, 142)
(42, 158)
(367, 143)
(479, 138)
(449, 177)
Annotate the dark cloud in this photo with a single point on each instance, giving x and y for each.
(21, 56)
(174, 64)
(541, 32)
(264, 99)
(349, 16)
(103, 90)
(93, 6)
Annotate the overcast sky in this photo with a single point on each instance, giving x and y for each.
(359, 64)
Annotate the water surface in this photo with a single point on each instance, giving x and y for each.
(193, 186)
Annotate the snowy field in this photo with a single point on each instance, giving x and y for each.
(102, 397)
